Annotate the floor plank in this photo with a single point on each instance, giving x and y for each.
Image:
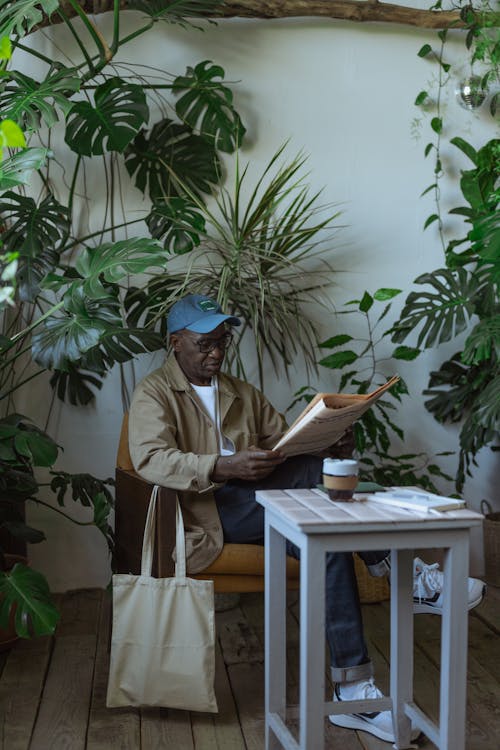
(53, 690)
(21, 687)
(109, 728)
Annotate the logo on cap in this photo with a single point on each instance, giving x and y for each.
(207, 305)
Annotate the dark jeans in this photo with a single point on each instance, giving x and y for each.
(242, 520)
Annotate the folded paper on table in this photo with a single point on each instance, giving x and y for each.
(326, 418)
(404, 497)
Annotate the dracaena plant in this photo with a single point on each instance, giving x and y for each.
(262, 258)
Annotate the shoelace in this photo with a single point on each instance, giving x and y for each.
(427, 580)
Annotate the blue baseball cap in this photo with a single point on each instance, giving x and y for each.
(197, 313)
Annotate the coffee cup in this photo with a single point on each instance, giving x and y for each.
(340, 478)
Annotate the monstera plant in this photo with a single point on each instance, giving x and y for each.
(63, 287)
(71, 257)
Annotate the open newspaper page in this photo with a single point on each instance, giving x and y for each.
(325, 419)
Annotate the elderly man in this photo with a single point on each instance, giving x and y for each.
(210, 436)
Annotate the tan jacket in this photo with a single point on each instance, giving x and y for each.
(173, 443)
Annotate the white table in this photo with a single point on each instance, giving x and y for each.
(317, 525)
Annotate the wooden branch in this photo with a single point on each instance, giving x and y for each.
(344, 10)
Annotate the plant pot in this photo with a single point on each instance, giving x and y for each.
(8, 635)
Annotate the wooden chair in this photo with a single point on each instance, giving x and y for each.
(238, 569)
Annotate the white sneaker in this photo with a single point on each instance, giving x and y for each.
(378, 723)
(428, 589)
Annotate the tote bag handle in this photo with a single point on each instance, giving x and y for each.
(149, 539)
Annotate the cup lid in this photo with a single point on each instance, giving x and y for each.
(340, 467)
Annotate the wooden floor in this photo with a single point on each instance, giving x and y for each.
(52, 690)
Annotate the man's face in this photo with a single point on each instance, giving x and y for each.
(200, 366)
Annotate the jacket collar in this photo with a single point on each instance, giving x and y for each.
(178, 382)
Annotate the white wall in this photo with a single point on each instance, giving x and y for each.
(344, 94)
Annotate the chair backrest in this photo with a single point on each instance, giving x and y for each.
(123, 460)
(239, 567)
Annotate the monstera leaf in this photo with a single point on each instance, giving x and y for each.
(207, 106)
(178, 223)
(443, 311)
(21, 16)
(115, 260)
(34, 232)
(120, 110)
(30, 101)
(21, 443)
(17, 169)
(28, 593)
(172, 151)
(90, 334)
(76, 384)
(65, 338)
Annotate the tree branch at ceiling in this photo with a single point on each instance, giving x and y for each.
(344, 10)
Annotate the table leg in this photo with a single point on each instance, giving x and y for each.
(454, 645)
(401, 643)
(312, 645)
(275, 630)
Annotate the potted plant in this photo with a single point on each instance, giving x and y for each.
(24, 593)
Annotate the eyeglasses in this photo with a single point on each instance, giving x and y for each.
(208, 345)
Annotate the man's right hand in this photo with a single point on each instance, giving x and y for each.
(249, 465)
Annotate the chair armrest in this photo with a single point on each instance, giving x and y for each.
(132, 496)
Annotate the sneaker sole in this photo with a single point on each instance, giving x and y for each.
(354, 722)
(424, 608)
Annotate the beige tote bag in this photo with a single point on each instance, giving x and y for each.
(163, 637)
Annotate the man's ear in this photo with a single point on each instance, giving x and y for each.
(175, 342)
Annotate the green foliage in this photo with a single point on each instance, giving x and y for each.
(206, 105)
(30, 102)
(23, 447)
(35, 233)
(175, 11)
(91, 126)
(25, 591)
(260, 258)
(17, 170)
(120, 111)
(21, 16)
(171, 156)
(461, 300)
(377, 429)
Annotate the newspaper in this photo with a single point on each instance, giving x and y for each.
(326, 418)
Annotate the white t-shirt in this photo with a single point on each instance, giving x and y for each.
(209, 397)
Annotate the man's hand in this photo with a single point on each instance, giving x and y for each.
(249, 465)
(345, 445)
